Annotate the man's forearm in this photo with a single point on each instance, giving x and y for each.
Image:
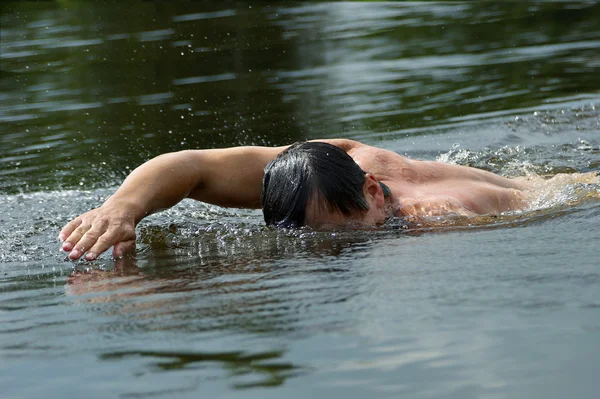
(157, 184)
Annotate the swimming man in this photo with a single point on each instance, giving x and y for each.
(324, 184)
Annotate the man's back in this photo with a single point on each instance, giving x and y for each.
(429, 188)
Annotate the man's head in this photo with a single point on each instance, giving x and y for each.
(319, 185)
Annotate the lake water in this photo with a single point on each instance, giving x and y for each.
(215, 304)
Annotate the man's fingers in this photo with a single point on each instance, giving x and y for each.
(84, 237)
(124, 248)
(68, 230)
(73, 239)
(104, 242)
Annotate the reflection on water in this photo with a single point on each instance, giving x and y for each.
(102, 88)
(237, 364)
(214, 301)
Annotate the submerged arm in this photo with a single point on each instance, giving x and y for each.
(225, 177)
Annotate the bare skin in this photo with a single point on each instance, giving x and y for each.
(232, 177)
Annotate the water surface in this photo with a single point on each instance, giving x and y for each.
(216, 304)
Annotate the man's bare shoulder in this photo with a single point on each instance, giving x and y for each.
(345, 144)
(385, 164)
(361, 151)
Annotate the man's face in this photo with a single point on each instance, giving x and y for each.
(319, 216)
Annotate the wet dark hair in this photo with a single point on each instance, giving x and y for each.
(308, 169)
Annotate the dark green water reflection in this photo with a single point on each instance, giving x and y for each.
(236, 363)
(90, 89)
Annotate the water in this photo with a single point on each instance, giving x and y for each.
(214, 303)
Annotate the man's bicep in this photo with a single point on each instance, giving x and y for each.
(232, 177)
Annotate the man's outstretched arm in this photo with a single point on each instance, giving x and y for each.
(226, 177)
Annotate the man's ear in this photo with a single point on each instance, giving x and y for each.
(373, 191)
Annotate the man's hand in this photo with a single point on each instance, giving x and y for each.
(97, 230)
